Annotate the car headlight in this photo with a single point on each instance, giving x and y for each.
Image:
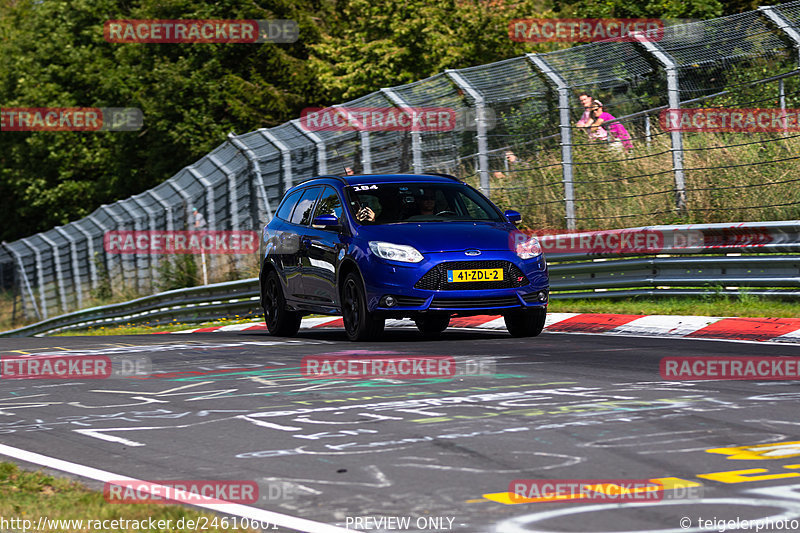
(529, 248)
(395, 252)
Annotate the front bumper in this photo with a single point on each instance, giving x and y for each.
(386, 278)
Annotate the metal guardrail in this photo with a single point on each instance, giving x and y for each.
(526, 106)
(193, 304)
(746, 257)
(666, 274)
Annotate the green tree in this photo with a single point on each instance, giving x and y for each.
(53, 54)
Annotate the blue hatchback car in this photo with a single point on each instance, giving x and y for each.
(372, 247)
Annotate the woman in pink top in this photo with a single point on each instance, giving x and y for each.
(616, 129)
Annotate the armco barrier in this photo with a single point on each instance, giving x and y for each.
(516, 118)
(723, 258)
(194, 304)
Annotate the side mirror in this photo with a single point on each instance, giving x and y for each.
(325, 221)
(513, 216)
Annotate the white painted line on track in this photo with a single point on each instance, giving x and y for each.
(314, 322)
(669, 325)
(252, 513)
(793, 336)
(555, 318)
(497, 323)
(236, 327)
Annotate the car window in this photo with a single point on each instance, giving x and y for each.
(329, 204)
(394, 203)
(285, 210)
(305, 207)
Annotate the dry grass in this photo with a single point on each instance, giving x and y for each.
(729, 177)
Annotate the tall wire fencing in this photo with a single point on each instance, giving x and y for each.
(515, 138)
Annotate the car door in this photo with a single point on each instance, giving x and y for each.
(295, 242)
(280, 240)
(322, 246)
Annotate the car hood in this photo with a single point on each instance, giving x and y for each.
(443, 236)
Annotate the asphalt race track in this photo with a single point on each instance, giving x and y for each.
(440, 452)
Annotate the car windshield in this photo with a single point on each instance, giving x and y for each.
(393, 203)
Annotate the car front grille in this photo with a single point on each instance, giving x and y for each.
(436, 278)
(410, 301)
(474, 303)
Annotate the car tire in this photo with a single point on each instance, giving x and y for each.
(358, 323)
(526, 322)
(280, 321)
(432, 325)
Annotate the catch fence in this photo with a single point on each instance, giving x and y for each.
(516, 138)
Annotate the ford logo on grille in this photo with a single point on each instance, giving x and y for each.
(472, 252)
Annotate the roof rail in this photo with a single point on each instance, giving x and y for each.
(442, 175)
(332, 176)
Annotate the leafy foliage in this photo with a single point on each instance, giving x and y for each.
(53, 53)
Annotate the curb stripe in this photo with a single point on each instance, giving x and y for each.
(757, 329)
(666, 326)
(471, 321)
(331, 323)
(593, 323)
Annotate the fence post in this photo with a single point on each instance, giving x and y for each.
(39, 276)
(137, 257)
(674, 97)
(647, 134)
(565, 130)
(286, 154)
(322, 156)
(480, 108)
(151, 217)
(363, 135)
(170, 226)
(121, 261)
(784, 25)
(27, 281)
(90, 251)
(233, 198)
(211, 208)
(76, 274)
(253, 159)
(416, 136)
(62, 291)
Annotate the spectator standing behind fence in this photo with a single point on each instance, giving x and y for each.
(511, 161)
(586, 119)
(619, 135)
(199, 221)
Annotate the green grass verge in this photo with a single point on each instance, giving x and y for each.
(134, 329)
(713, 305)
(26, 495)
